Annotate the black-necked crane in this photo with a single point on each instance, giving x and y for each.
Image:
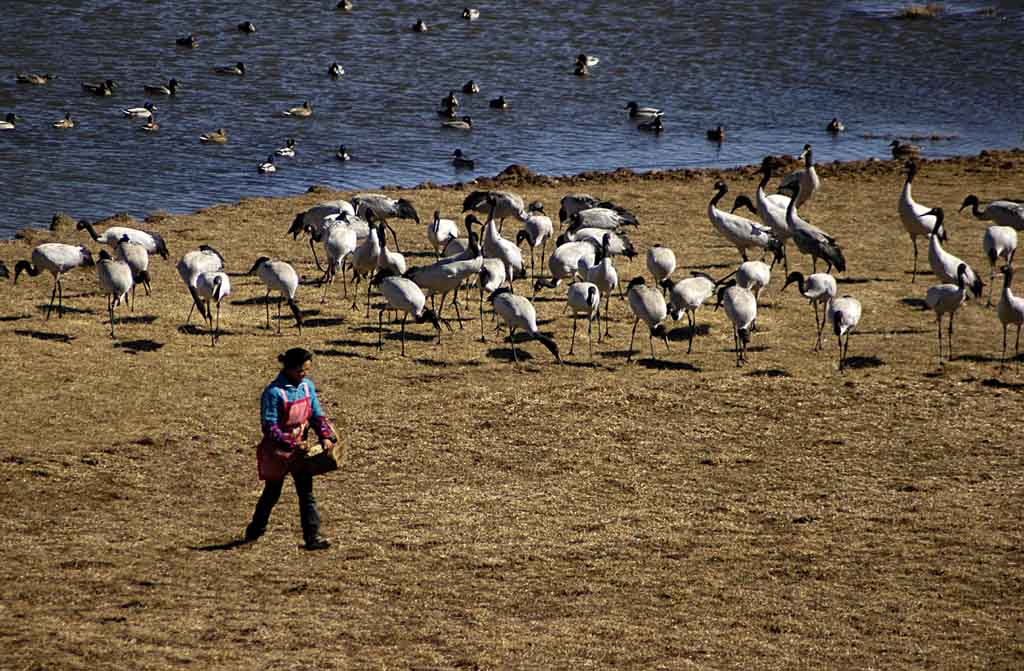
(740, 231)
(110, 237)
(492, 277)
(741, 309)
(770, 209)
(1003, 212)
(999, 242)
(583, 299)
(537, 230)
(518, 313)
(844, 315)
(57, 259)
(1010, 311)
(603, 275)
(573, 203)
(914, 216)
(364, 263)
(384, 208)
(213, 287)
(280, 277)
(402, 295)
(137, 258)
(448, 275)
(440, 232)
(340, 243)
(564, 262)
(813, 241)
(386, 259)
(647, 305)
(946, 299)
(618, 244)
(116, 279)
(497, 247)
(316, 219)
(661, 263)
(946, 266)
(687, 296)
(191, 266)
(804, 182)
(501, 205)
(610, 218)
(819, 289)
(754, 276)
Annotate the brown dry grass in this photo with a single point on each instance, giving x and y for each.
(684, 514)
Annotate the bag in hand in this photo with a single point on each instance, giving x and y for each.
(317, 460)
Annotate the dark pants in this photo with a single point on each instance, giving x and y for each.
(307, 507)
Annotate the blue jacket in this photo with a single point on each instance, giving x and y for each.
(271, 405)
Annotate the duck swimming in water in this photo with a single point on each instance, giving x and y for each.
(420, 26)
(335, 71)
(190, 41)
(104, 88)
(581, 70)
(66, 122)
(470, 87)
(288, 150)
(144, 112)
(267, 166)
(246, 27)
(835, 126)
(342, 154)
(169, 90)
(655, 125)
(903, 151)
(10, 121)
(465, 123)
(236, 70)
(499, 103)
(588, 61)
(470, 14)
(637, 111)
(459, 160)
(303, 110)
(219, 136)
(717, 134)
(33, 78)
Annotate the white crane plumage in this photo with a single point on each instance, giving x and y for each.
(440, 232)
(280, 277)
(1010, 311)
(844, 315)
(741, 309)
(213, 287)
(687, 296)
(740, 231)
(603, 275)
(947, 299)
(191, 266)
(110, 237)
(518, 313)
(497, 247)
(804, 183)
(402, 295)
(1003, 212)
(661, 263)
(648, 305)
(770, 209)
(364, 263)
(340, 243)
(384, 208)
(116, 279)
(564, 263)
(57, 259)
(818, 289)
(537, 230)
(448, 275)
(999, 242)
(498, 204)
(583, 299)
(318, 218)
(607, 218)
(618, 245)
(914, 216)
(137, 258)
(946, 266)
(754, 276)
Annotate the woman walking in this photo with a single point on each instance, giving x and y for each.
(288, 409)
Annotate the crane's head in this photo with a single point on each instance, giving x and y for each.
(970, 201)
(259, 262)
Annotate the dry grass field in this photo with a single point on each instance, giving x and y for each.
(667, 514)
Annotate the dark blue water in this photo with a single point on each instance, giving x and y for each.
(773, 72)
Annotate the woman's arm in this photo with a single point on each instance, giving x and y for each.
(319, 420)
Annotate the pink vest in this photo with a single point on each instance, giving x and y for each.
(272, 460)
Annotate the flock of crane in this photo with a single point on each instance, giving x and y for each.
(353, 236)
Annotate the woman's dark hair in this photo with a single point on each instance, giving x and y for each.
(295, 357)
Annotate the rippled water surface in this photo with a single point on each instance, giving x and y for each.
(773, 72)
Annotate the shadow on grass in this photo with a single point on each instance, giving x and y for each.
(220, 547)
(320, 322)
(67, 308)
(44, 335)
(137, 319)
(348, 342)
(915, 303)
(769, 372)
(999, 384)
(682, 334)
(337, 353)
(662, 364)
(505, 354)
(863, 280)
(191, 329)
(137, 346)
(857, 362)
(977, 358)
(13, 318)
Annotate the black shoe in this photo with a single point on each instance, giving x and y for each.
(318, 543)
(252, 535)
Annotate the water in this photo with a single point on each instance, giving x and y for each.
(773, 72)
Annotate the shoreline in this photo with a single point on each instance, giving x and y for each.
(522, 176)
